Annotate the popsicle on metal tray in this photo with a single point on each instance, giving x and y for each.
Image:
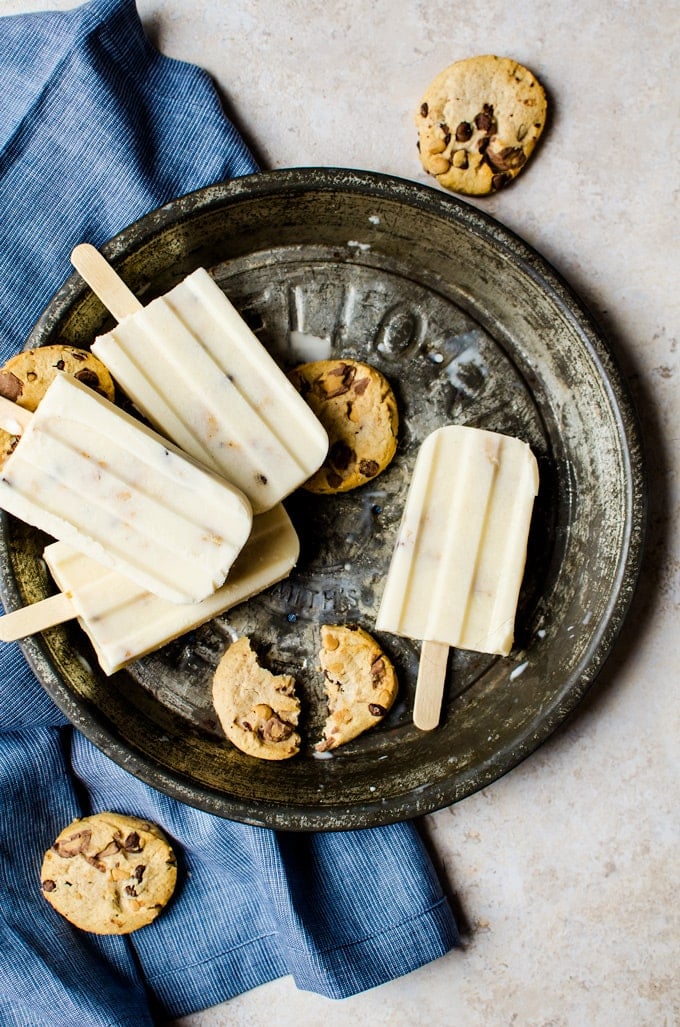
(458, 562)
(193, 367)
(91, 475)
(123, 621)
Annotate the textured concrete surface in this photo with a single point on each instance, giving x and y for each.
(565, 873)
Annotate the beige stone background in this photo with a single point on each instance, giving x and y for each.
(565, 873)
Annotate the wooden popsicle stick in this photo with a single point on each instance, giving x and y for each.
(37, 617)
(13, 418)
(427, 704)
(104, 281)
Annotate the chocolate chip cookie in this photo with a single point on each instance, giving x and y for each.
(109, 873)
(357, 407)
(479, 122)
(258, 710)
(360, 682)
(26, 376)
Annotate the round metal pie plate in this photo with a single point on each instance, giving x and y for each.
(470, 326)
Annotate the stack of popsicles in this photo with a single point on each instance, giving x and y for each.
(151, 526)
(155, 536)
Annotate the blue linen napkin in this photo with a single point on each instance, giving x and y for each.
(96, 129)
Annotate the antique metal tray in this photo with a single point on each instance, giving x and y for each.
(470, 326)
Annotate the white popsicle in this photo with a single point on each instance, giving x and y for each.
(459, 558)
(88, 474)
(124, 622)
(193, 367)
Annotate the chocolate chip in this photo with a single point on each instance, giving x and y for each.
(48, 886)
(95, 862)
(11, 387)
(485, 119)
(334, 480)
(109, 850)
(261, 479)
(424, 110)
(60, 365)
(69, 847)
(510, 158)
(276, 730)
(499, 180)
(88, 377)
(375, 710)
(131, 890)
(301, 384)
(139, 871)
(483, 144)
(133, 842)
(369, 468)
(377, 670)
(328, 389)
(341, 456)
(361, 386)
(463, 132)
(78, 354)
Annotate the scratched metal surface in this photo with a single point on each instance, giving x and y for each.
(469, 326)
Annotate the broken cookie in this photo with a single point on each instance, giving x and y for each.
(478, 123)
(258, 710)
(360, 681)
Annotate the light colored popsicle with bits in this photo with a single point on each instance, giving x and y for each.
(123, 621)
(193, 367)
(91, 475)
(458, 562)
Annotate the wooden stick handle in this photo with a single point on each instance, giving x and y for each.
(104, 282)
(45, 614)
(430, 685)
(13, 418)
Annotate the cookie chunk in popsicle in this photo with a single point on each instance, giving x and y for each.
(458, 562)
(123, 621)
(193, 367)
(91, 475)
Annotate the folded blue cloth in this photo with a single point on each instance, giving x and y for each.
(96, 129)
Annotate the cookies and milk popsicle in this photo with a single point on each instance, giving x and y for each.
(89, 474)
(125, 622)
(193, 367)
(458, 562)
